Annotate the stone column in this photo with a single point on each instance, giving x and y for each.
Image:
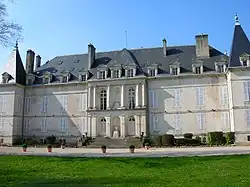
(108, 94)
(139, 125)
(89, 126)
(89, 96)
(137, 96)
(143, 95)
(122, 126)
(93, 125)
(136, 126)
(143, 124)
(108, 127)
(122, 96)
(94, 97)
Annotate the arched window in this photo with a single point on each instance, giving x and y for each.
(131, 119)
(103, 100)
(131, 98)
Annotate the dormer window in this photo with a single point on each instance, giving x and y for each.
(64, 79)
(83, 77)
(175, 68)
(152, 72)
(30, 78)
(197, 67)
(130, 73)
(220, 66)
(116, 74)
(6, 77)
(65, 76)
(30, 81)
(46, 80)
(102, 74)
(245, 59)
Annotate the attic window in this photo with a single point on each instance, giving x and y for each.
(197, 67)
(102, 74)
(77, 61)
(46, 80)
(130, 72)
(152, 72)
(116, 73)
(245, 59)
(30, 81)
(174, 71)
(197, 70)
(83, 77)
(220, 68)
(60, 62)
(64, 79)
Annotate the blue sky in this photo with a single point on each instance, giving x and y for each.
(61, 27)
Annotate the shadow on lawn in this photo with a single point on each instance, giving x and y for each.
(95, 182)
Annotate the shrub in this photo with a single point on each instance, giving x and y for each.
(188, 135)
(24, 146)
(51, 139)
(230, 137)
(49, 146)
(168, 140)
(131, 147)
(147, 140)
(103, 147)
(198, 138)
(216, 138)
(158, 140)
(187, 142)
(147, 144)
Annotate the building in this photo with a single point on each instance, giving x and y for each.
(167, 89)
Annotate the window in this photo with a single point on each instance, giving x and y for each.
(248, 117)
(27, 104)
(19, 101)
(155, 122)
(174, 71)
(116, 74)
(30, 82)
(177, 95)
(244, 63)
(44, 106)
(3, 103)
(152, 72)
(130, 72)
(46, 80)
(65, 79)
(102, 75)
(1, 123)
(200, 96)
(153, 99)
(63, 125)
(177, 122)
(63, 100)
(223, 95)
(247, 90)
(103, 125)
(131, 98)
(220, 68)
(84, 125)
(44, 125)
(103, 100)
(248, 138)
(83, 77)
(83, 102)
(225, 119)
(197, 70)
(201, 119)
(26, 125)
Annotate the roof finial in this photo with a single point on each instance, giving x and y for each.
(237, 22)
(16, 44)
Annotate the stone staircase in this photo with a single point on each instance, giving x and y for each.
(115, 143)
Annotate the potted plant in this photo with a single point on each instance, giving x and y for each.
(63, 145)
(104, 148)
(147, 145)
(24, 146)
(49, 147)
(132, 148)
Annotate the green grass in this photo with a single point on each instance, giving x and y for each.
(216, 171)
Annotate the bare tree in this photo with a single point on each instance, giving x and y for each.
(9, 31)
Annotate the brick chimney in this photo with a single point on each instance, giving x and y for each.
(30, 57)
(164, 42)
(91, 55)
(38, 61)
(202, 47)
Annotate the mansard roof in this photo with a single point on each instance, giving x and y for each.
(141, 58)
(240, 45)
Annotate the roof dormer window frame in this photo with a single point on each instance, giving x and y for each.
(116, 72)
(102, 73)
(130, 71)
(47, 78)
(153, 70)
(197, 67)
(83, 76)
(30, 79)
(245, 59)
(175, 68)
(220, 66)
(65, 77)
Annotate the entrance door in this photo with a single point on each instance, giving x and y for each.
(131, 126)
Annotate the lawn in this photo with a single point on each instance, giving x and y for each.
(216, 171)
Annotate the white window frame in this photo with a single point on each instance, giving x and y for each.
(83, 102)
(64, 103)
(102, 74)
(155, 121)
(27, 104)
(223, 95)
(201, 120)
(116, 73)
(177, 122)
(63, 125)
(200, 96)
(1, 124)
(247, 113)
(152, 72)
(26, 127)
(177, 98)
(84, 125)
(45, 103)
(225, 119)
(44, 123)
(246, 86)
(153, 99)
(130, 72)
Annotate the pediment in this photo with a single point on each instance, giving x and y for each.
(197, 62)
(244, 55)
(6, 74)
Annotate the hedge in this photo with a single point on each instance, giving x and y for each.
(188, 135)
(216, 138)
(168, 140)
(187, 142)
(230, 137)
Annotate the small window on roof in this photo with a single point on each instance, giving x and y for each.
(60, 62)
(77, 61)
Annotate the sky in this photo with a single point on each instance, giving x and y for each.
(63, 27)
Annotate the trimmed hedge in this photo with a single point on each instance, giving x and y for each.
(187, 142)
(168, 140)
(216, 138)
(230, 137)
(188, 135)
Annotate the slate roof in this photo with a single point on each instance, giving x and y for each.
(141, 58)
(240, 45)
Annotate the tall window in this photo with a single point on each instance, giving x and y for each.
(1, 124)
(201, 119)
(130, 72)
(248, 117)
(223, 95)
(177, 95)
(103, 126)
(152, 72)
(247, 90)
(174, 71)
(177, 122)
(3, 103)
(26, 125)
(116, 74)
(225, 119)
(103, 100)
(45, 101)
(131, 98)
(131, 126)
(63, 125)
(155, 122)
(63, 100)
(27, 104)
(197, 70)
(153, 99)
(44, 125)
(102, 75)
(83, 102)
(200, 96)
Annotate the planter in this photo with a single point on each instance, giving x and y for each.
(49, 150)
(104, 150)
(132, 150)
(63, 146)
(24, 149)
(146, 147)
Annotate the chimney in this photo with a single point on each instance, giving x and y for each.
(164, 42)
(202, 47)
(38, 61)
(91, 55)
(30, 57)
